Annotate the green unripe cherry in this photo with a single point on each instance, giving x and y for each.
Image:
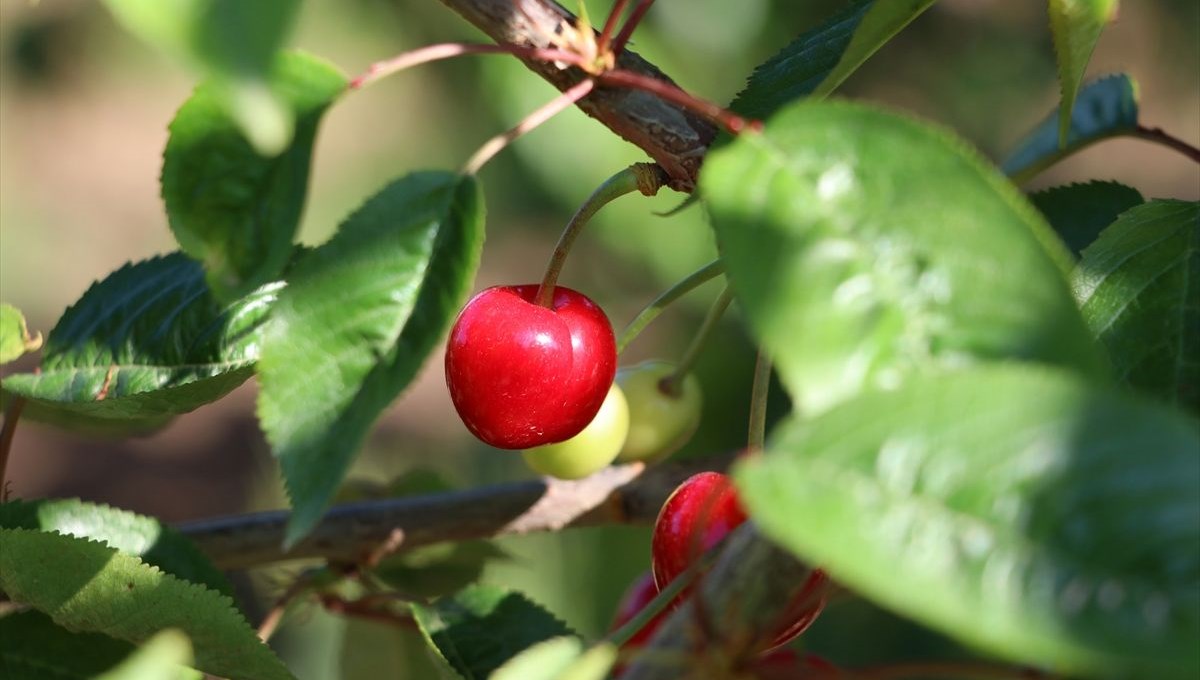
(592, 449)
(660, 420)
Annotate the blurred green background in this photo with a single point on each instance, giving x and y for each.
(83, 115)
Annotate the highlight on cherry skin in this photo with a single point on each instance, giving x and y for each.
(522, 375)
(696, 517)
(591, 450)
(661, 419)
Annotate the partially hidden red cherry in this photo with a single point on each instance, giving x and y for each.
(636, 597)
(697, 516)
(522, 375)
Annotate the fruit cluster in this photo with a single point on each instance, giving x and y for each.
(696, 517)
(544, 379)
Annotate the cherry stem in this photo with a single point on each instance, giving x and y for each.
(494, 145)
(963, 670)
(656, 307)
(758, 402)
(672, 383)
(1161, 136)
(661, 601)
(271, 621)
(643, 177)
(627, 30)
(11, 415)
(424, 55)
(672, 93)
(610, 25)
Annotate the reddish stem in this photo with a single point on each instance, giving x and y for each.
(628, 28)
(610, 24)
(1163, 137)
(732, 122)
(424, 55)
(363, 610)
(554, 106)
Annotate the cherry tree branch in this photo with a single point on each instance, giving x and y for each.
(674, 137)
(624, 494)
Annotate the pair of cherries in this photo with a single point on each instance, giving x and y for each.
(697, 516)
(541, 378)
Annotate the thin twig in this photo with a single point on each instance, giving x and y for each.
(549, 110)
(363, 609)
(651, 311)
(610, 24)
(11, 415)
(672, 383)
(672, 93)
(758, 402)
(673, 136)
(271, 621)
(622, 494)
(637, 177)
(424, 55)
(627, 30)
(1160, 136)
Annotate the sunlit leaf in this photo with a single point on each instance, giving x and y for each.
(231, 41)
(157, 544)
(1076, 26)
(86, 586)
(1138, 285)
(358, 318)
(865, 247)
(1106, 108)
(1017, 509)
(230, 208)
(142, 346)
(164, 657)
(14, 334)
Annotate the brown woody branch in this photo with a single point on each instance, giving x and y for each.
(675, 138)
(358, 532)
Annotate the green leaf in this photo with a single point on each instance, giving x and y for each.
(231, 41)
(1139, 288)
(146, 344)
(229, 207)
(822, 58)
(164, 657)
(32, 647)
(881, 23)
(1079, 212)
(1018, 509)
(479, 629)
(145, 537)
(14, 334)
(560, 658)
(1076, 27)
(438, 569)
(1106, 108)
(358, 318)
(864, 247)
(85, 586)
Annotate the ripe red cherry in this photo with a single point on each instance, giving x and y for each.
(522, 375)
(698, 514)
(639, 594)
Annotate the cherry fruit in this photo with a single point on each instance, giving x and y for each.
(662, 418)
(697, 516)
(636, 597)
(592, 449)
(522, 375)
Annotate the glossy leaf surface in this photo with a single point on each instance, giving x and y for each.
(1017, 509)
